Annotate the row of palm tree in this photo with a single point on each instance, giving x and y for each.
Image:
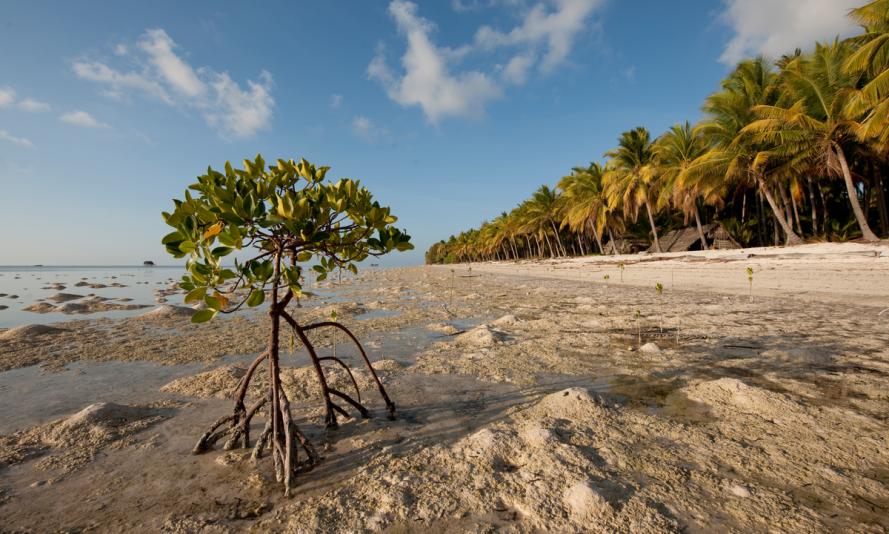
(787, 151)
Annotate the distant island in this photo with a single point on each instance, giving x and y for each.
(148, 263)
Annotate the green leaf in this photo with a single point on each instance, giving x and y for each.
(172, 237)
(256, 298)
(203, 316)
(195, 295)
(213, 302)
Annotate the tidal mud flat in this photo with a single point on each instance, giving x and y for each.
(527, 401)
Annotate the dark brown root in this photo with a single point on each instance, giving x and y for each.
(280, 435)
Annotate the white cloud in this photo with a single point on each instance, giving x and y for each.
(173, 70)
(773, 28)
(238, 112)
(34, 106)
(366, 129)
(7, 97)
(516, 71)
(163, 74)
(82, 118)
(336, 101)
(552, 25)
(431, 77)
(20, 141)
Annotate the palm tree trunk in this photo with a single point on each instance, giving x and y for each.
(814, 208)
(596, 236)
(657, 244)
(799, 224)
(613, 242)
(743, 206)
(881, 201)
(704, 244)
(549, 245)
(558, 239)
(866, 232)
(792, 238)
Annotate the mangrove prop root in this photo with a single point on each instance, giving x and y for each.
(326, 390)
(280, 435)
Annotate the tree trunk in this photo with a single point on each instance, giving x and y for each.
(657, 244)
(613, 242)
(704, 245)
(814, 208)
(760, 219)
(743, 206)
(596, 236)
(866, 232)
(799, 224)
(881, 201)
(564, 252)
(792, 238)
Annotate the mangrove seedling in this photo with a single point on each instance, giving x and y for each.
(621, 267)
(750, 281)
(659, 288)
(280, 218)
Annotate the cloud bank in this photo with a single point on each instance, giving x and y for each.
(773, 28)
(161, 73)
(431, 76)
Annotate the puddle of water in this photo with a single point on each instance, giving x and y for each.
(31, 396)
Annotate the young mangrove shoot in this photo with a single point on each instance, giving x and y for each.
(279, 219)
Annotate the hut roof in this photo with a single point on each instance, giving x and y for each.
(688, 239)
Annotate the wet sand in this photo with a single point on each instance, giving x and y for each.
(529, 399)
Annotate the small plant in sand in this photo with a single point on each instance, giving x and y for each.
(621, 267)
(637, 317)
(280, 217)
(606, 278)
(750, 281)
(659, 288)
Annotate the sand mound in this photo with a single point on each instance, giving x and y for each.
(301, 383)
(63, 297)
(77, 439)
(40, 307)
(167, 311)
(543, 471)
(28, 332)
(443, 328)
(729, 397)
(481, 336)
(506, 320)
(387, 365)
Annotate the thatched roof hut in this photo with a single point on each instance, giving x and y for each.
(689, 239)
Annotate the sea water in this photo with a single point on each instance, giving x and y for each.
(32, 284)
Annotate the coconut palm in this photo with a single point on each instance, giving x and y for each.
(630, 183)
(814, 131)
(869, 63)
(583, 205)
(675, 151)
(541, 211)
(734, 154)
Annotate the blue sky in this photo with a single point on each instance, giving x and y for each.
(449, 111)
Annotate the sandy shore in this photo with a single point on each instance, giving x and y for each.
(531, 397)
(834, 272)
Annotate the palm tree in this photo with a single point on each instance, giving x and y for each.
(734, 154)
(869, 63)
(583, 204)
(812, 131)
(541, 211)
(630, 183)
(674, 153)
